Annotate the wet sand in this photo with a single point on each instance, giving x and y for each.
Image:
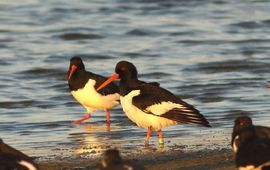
(200, 160)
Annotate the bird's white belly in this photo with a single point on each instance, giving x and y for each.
(92, 100)
(141, 118)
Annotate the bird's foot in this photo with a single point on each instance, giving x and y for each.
(77, 121)
(87, 116)
(161, 143)
(146, 143)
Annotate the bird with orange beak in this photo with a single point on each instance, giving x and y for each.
(149, 105)
(83, 84)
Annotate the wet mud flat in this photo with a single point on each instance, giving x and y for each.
(222, 159)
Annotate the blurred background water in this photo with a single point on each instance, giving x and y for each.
(212, 53)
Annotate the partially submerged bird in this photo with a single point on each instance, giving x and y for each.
(242, 126)
(113, 161)
(83, 84)
(150, 106)
(12, 159)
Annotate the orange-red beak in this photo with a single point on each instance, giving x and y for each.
(73, 68)
(268, 86)
(110, 79)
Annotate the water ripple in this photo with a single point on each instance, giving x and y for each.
(42, 72)
(229, 66)
(137, 32)
(18, 104)
(79, 36)
(247, 25)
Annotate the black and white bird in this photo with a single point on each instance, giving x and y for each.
(12, 159)
(253, 153)
(251, 144)
(150, 106)
(83, 84)
(242, 125)
(113, 161)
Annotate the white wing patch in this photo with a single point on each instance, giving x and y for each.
(234, 143)
(27, 165)
(248, 167)
(141, 118)
(104, 163)
(128, 167)
(163, 107)
(252, 167)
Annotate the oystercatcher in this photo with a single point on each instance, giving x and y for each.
(83, 84)
(150, 106)
(242, 129)
(10, 159)
(113, 161)
(253, 153)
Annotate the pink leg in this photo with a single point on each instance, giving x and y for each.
(149, 131)
(107, 116)
(108, 122)
(160, 137)
(87, 116)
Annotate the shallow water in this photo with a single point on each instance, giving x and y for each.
(214, 54)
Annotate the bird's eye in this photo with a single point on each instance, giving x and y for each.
(122, 68)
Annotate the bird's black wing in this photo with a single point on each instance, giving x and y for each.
(109, 89)
(160, 102)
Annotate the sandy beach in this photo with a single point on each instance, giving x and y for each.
(200, 160)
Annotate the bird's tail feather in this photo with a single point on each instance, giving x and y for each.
(187, 116)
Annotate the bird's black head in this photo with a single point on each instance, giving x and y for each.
(111, 157)
(76, 64)
(126, 70)
(240, 125)
(242, 122)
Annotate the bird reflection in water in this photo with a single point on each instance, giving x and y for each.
(90, 143)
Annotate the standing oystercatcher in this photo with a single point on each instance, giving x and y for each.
(150, 106)
(11, 158)
(83, 84)
(242, 126)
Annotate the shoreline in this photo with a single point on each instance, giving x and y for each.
(222, 159)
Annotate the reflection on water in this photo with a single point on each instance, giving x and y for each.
(87, 143)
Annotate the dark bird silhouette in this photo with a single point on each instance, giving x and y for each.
(242, 124)
(251, 144)
(12, 159)
(113, 161)
(149, 105)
